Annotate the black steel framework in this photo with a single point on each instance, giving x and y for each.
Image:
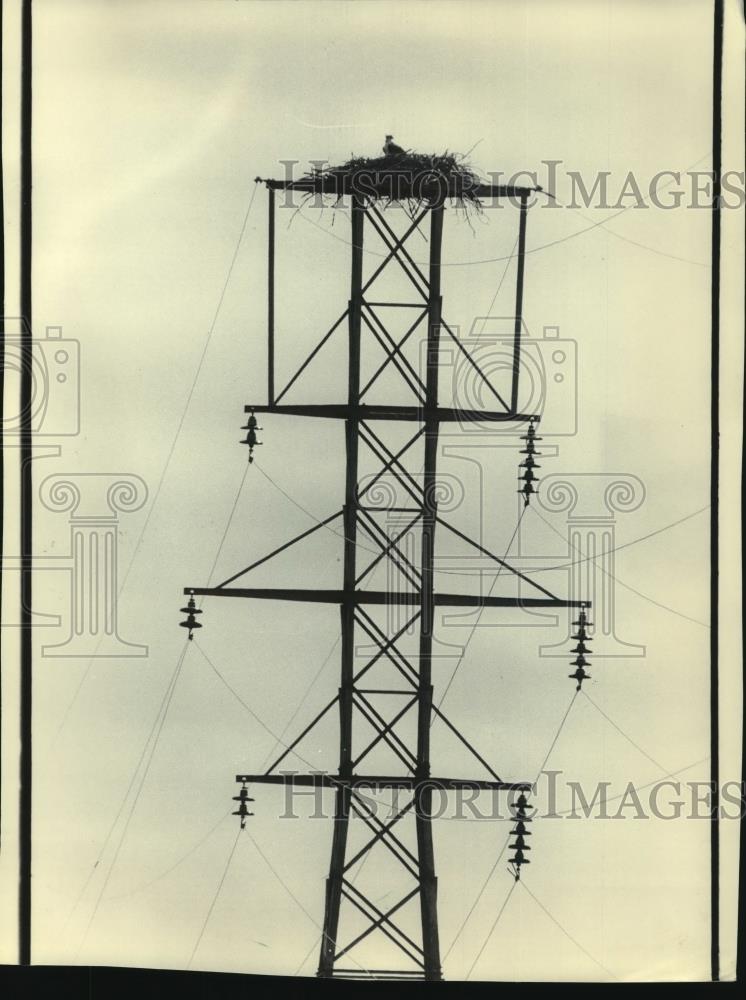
(359, 698)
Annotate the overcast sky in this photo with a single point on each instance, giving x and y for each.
(151, 121)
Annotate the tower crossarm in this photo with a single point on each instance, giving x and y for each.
(362, 411)
(321, 779)
(331, 185)
(382, 597)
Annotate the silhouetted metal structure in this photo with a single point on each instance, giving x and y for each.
(362, 704)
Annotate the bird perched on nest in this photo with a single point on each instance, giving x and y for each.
(390, 148)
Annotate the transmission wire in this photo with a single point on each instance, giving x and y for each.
(156, 727)
(502, 851)
(566, 932)
(168, 698)
(492, 928)
(120, 591)
(479, 614)
(215, 897)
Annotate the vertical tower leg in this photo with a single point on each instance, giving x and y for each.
(428, 882)
(271, 301)
(342, 811)
(519, 303)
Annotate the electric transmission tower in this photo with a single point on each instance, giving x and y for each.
(371, 713)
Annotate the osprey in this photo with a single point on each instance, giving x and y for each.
(390, 148)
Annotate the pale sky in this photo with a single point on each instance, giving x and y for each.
(151, 121)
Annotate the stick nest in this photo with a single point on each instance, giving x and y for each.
(412, 178)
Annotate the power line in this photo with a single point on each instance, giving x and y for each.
(166, 704)
(251, 711)
(543, 765)
(421, 591)
(239, 699)
(310, 952)
(131, 783)
(215, 897)
(486, 260)
(163, 708)
(502, 851)
(553, 744)
(641, 788)
(564, 239)
(295, 899)
(635, 243)
(500, 284)
(319, 939)
(308, 513)
(492, 928)
(473, 907)
(528, 571)
(611, 576)
(567, 934)
(174, 866)
(281, 880)
(557, 736)
(300, 704)
(138, 543)
(622, 732)
(228, 524)
(192, 387)
(657, 604)
(479, 614)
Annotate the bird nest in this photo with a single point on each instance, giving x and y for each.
(414, 179)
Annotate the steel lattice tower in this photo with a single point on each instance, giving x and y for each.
(356, 699)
